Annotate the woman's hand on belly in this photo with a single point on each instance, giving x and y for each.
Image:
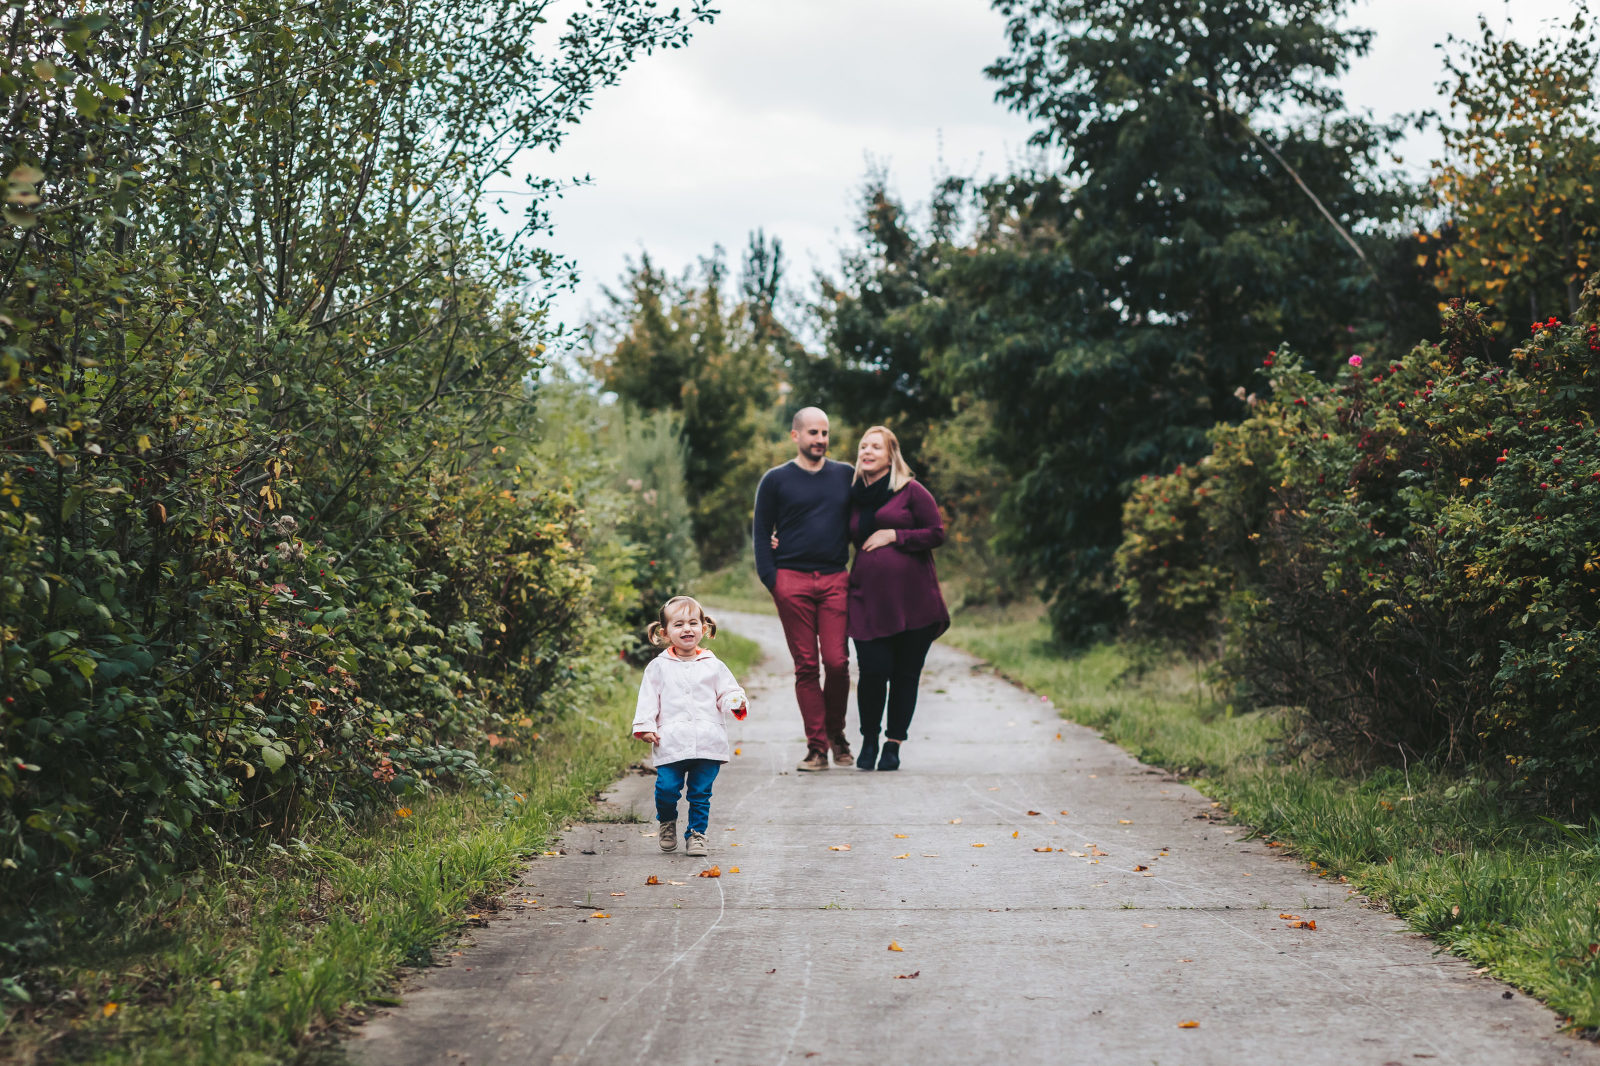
(881, 538)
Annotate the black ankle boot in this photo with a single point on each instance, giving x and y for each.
(867, 757)
(890, 759)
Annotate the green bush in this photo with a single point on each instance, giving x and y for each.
(1408, 554)
(274, 540)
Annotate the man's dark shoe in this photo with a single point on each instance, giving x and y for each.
(814, 760)
(868, 760)
(890, 759)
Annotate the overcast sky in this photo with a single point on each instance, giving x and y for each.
(772, 115)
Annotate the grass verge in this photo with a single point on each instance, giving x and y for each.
(1452, 854)
(248, 962)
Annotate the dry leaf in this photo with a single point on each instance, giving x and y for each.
(1058, 736)
(1014, 834)
(1149, 925)
(1189, 1025)
(894, 945)
(838, 847)
(1078, 854)
(1066, 812)
(907, 855)
(1310, 924)
(994, 788)
(1136, 869)
(1289, 917)
(977, 845)
(109, 1009)
(1096, 851)
(955, 821)
(552, 853)
(670, 882)
(599, 914)
(733, 869)
(736, 751)
(914, 974)
(619, 893)
(715, 871)
(900, 836)
(1124, 821)
(652, 880)
(1033, 814)
(1044, 849)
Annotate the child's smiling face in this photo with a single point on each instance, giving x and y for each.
(685, 628)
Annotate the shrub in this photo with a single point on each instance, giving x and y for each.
(1412, 559)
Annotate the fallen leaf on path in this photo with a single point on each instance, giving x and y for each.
(955, 821)
(1310, 924)
(736, 751)
(652, 880)
(977, 845)
(731, 829)
(715, 871)
(930, 855)
(1290, 917)
(1032, 814)
(894, 945)
(1124, 821)
(1078, 854)
(1149, 925)
(599, 914)
(900, 836)
(734, 844)
(994, 788)
(1066, 812)
(907, 855)
(1058, 736)
(1044, 849)
(838, 847)
(913, 975)
(1014, 834)
(1189, 1025)
(733, 869)
(552, 853)
(1185, 960)
(677, 882)
(1136, 869)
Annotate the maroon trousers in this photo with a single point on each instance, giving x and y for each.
(812, 610)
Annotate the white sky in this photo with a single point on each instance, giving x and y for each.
(770, 117)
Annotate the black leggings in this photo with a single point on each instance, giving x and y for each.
(888, 671)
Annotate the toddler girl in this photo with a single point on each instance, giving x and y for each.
(684, 702)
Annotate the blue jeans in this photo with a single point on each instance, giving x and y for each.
(670, 779)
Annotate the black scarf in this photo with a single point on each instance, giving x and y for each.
(866, 499)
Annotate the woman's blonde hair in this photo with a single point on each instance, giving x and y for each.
(899, 472)
(657, 633)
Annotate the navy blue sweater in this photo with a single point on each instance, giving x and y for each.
(811, 515)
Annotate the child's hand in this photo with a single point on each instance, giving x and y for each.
(741, 709)
(654, 738)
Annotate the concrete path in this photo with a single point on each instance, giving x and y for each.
(1053, 899)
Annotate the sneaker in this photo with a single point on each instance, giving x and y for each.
(842, 756)
(694, 843)
(869, 754)
(668, 836)
(890, 759)
(814, 760)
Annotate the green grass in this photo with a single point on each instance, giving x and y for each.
(734, 588)
(248, 963)
(1452, 854)
(740, 653)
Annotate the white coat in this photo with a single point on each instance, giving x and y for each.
(689, 702)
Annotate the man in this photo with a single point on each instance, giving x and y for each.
(806, 502)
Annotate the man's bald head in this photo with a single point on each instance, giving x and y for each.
(808, 414)
(809, 431)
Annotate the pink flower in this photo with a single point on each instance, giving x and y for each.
(1355, 360)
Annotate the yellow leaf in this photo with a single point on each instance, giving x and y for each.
(899, 836)
(894, 945)
(1044, 849)
(596, 914)
(1189, 1025)
(1013, 834)
(955, 821)
(37, 405)
(977, 845)
(736, 751)
(907, 855)
(715, 871)
(652, 880)
(733, 869)
(1124, 821)
(838, 847)
(109, 1009)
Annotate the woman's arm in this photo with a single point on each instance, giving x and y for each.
(927, 528)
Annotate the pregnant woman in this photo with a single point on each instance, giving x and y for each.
(896, 610)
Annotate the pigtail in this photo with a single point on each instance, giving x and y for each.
(709, 623)
(656, 634)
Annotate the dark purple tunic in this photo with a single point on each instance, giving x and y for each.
(895, 588)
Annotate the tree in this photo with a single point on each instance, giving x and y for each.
(676, 344)
(1213, 201)
(1518, 176)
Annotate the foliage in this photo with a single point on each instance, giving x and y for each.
(675, 345)
(1523, 229)
(1409, 553)
(275, 544)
